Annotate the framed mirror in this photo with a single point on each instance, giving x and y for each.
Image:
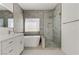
(6, 18)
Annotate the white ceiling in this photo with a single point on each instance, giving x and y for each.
(37, 6)
(2, 8)
(6, 6)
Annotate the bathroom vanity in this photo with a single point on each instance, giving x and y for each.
(11, 44)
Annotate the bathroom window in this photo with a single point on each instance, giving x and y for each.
(10, 22)
(32, 24)
(1, 22)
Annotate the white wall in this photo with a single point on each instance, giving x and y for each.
(18, 19)
(70, 31)
(70, 38)
(0, 48)
(70, 12)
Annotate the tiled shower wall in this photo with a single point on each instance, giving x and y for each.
(57, 25)
(48, 29)
(48, 25)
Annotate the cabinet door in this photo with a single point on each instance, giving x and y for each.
(70, 38)
(70, 12)
(7, 43)
(20, 44)
(17, 46)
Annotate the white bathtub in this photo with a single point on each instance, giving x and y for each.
(31, 41)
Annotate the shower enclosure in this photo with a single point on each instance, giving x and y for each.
(52, 27)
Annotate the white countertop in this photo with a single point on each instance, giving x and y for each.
(8, 36)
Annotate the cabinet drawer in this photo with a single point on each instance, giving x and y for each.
(9, 50)
(7, 43)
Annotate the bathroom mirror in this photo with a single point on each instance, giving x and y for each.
(6, 17)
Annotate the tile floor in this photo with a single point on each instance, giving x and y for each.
(50, 44)
(49, 50)
(42, 51)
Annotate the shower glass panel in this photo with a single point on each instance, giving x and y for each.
(48, 29)
(53, 28)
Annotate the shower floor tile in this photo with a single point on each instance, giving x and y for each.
(50, 44)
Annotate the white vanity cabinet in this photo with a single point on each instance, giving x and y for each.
(12, 46)
(7, 46)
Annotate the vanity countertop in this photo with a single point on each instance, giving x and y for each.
(8, 36)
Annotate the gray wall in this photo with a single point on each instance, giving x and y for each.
(57, 25)
(18, 18)
(5, 15)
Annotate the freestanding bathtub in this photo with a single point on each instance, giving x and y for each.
(31, 41)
